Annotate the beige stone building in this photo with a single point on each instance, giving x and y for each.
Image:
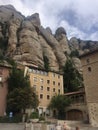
(46, 85)
(90, 74)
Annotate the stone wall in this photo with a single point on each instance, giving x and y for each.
(90, 75)
(4, 72)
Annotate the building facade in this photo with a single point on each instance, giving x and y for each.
(78, 107)
(46, 85)
(4, 73)
(90, 74)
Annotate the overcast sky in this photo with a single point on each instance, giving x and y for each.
(78, 17)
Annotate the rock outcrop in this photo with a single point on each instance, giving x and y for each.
(25, 40)
(28, 41)
(81, 45)
(62, 39)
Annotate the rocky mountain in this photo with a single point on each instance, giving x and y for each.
(81, 45)
(24, 39)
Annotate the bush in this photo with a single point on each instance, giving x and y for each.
(41, 118)
(15, 119)
(34, 115)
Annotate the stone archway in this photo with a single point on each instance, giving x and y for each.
(74, 114)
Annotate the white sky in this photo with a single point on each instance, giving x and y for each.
(78, 17)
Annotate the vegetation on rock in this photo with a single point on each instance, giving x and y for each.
(46, 63)
(72, 78)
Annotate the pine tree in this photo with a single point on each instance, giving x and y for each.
(72, 78)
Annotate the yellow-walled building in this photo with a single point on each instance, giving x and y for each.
(46, 84)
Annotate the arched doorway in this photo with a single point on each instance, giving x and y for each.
(74, 115)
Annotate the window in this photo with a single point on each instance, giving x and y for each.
(53, 89)
(58, 76)
(58, 84)
(48, 97)
(48, 89)
(89, 69)
(53, 82)
(41, 96)
(41, 80)
(41, 87)
(34, 79)
(59, 91)
(48, 81)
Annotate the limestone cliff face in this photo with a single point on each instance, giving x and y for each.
(12, 40)
(62, 39)
(25, 40)
(28, 41)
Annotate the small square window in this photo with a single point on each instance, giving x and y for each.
(41, 87)
(53, 82)
(89, 69)
(48, 89)
(53, 89)
(48, 81)
(48, 97)
(58, 76)
(41, 80)
(41, 96)
(59, 91)
(58, 84)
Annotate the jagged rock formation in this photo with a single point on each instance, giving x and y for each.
(62, 39)
(81, 45)
(24, 39)
(28, 41)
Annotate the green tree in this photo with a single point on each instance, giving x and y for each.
(46, 63)
(72, 78)
(74, 53)
(59, 102)
(20, 94)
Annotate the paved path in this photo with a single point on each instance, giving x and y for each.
(87, 128)
(12, 126)
(20, 126)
